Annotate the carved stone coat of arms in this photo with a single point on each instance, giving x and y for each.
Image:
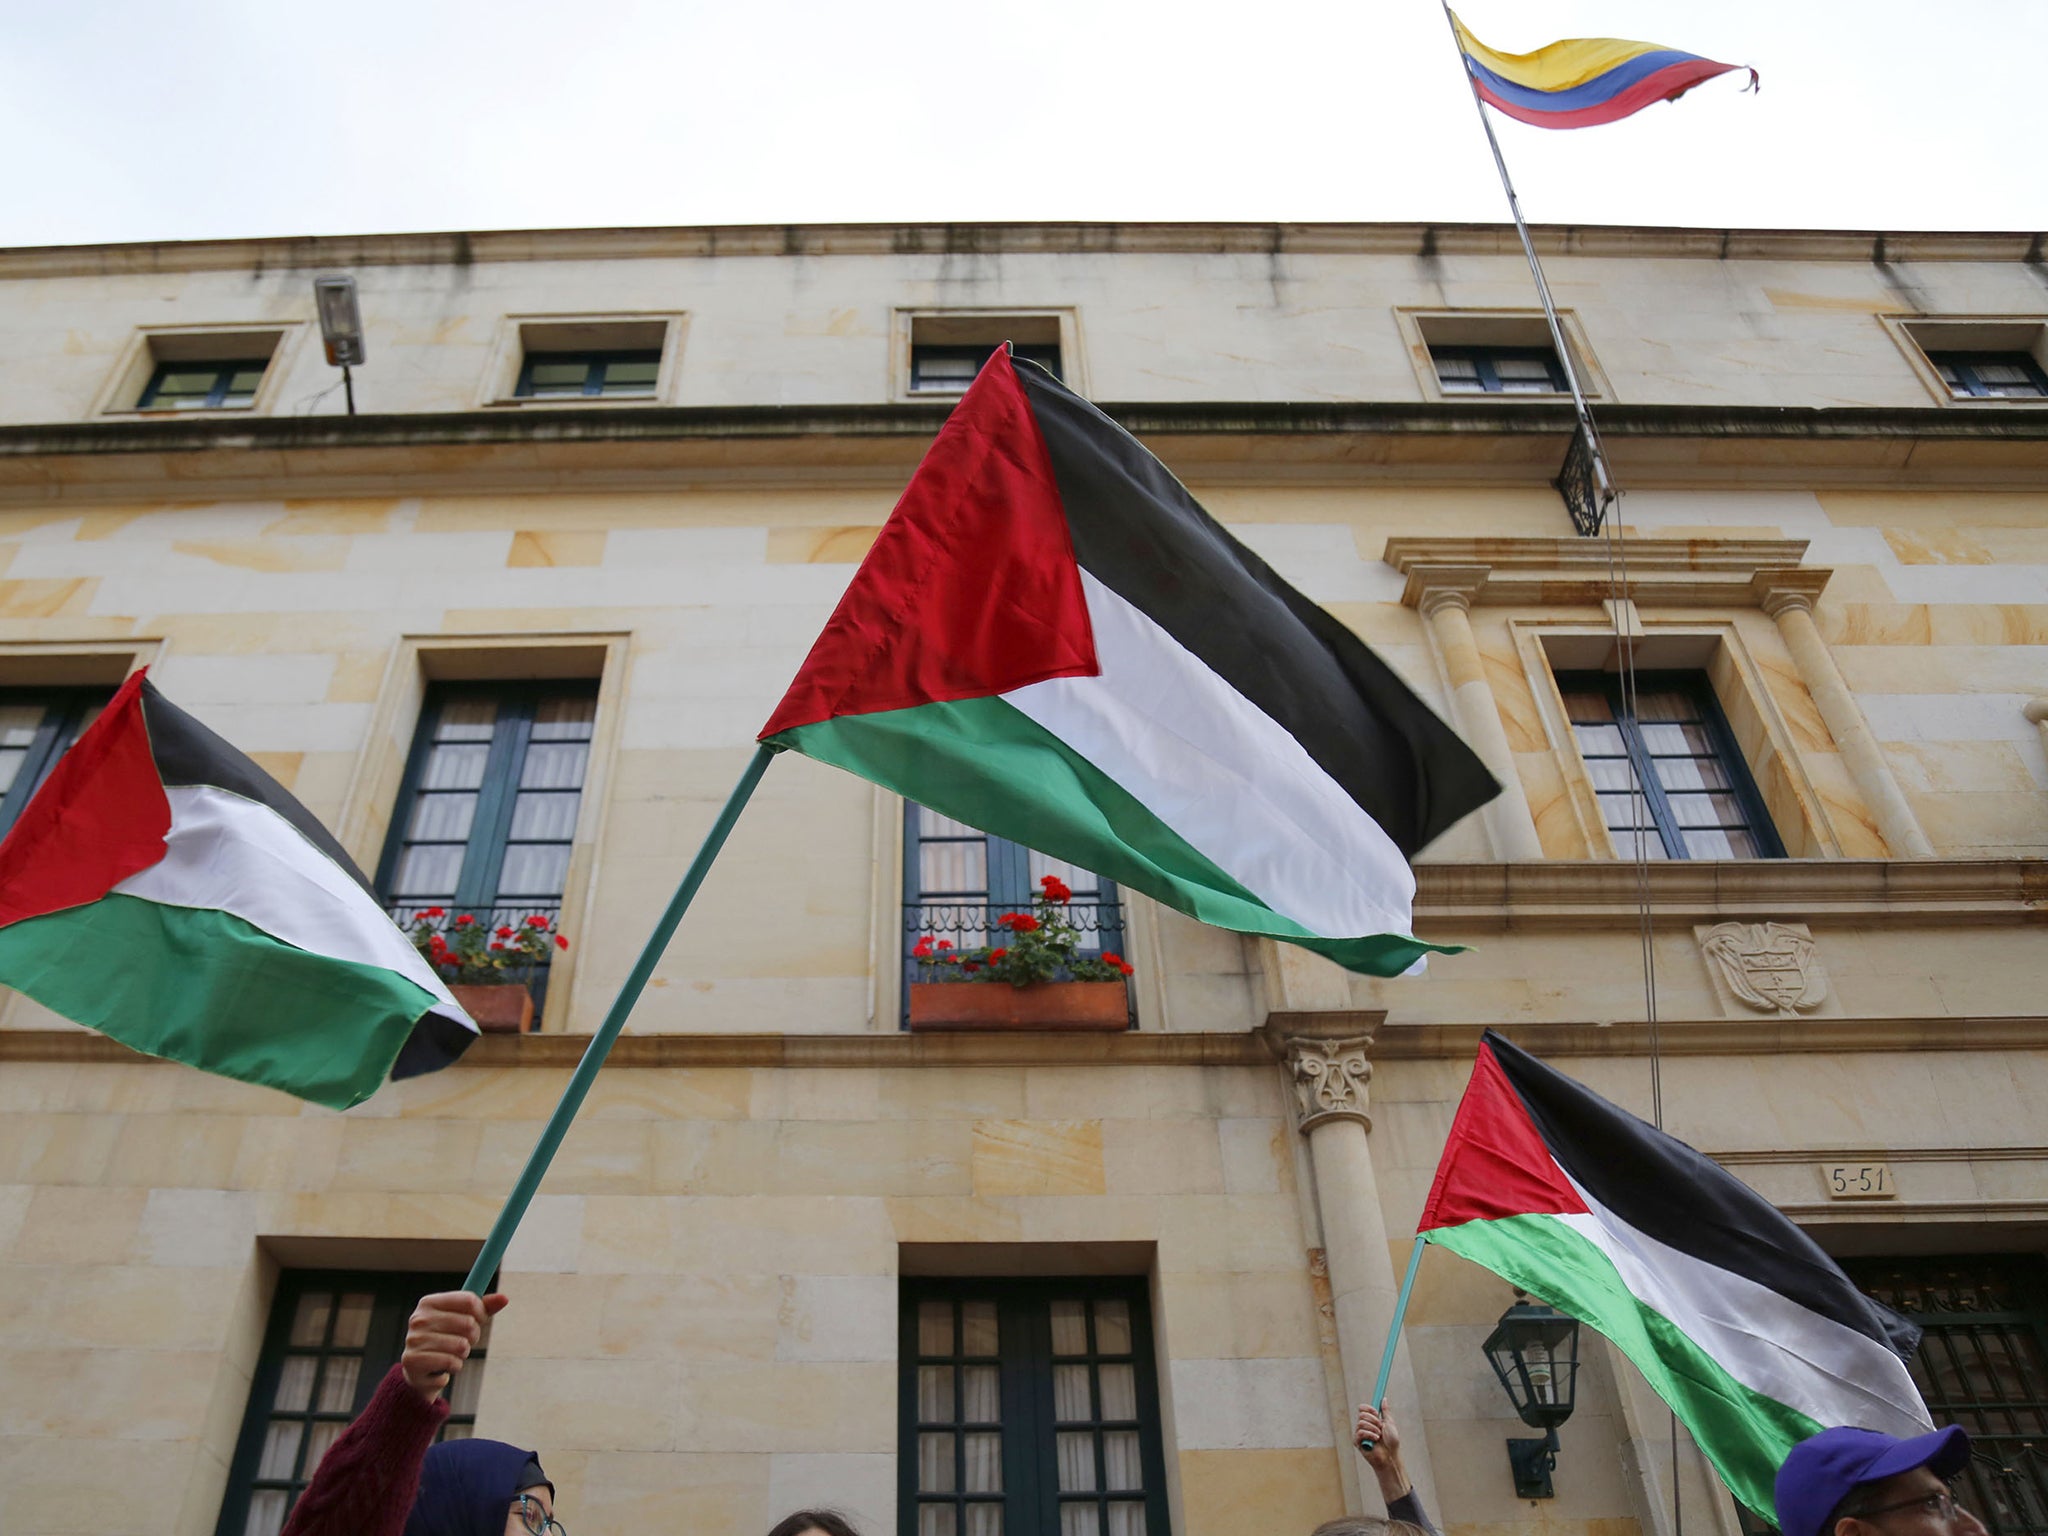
(1769, 966)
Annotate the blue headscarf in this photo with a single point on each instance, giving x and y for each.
(466, 1486)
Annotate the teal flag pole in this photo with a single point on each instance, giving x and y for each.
(600, 1046)
(1379, 1387)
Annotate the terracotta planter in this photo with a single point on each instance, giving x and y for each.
(1046, 1005)
(499, 1007)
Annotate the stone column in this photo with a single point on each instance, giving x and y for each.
(2036, 710)
(1330, 1077)
(1792, 608)
(1443, 595)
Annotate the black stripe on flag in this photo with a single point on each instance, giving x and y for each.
(1687, 1201)
(187, 753)
(1137, 531)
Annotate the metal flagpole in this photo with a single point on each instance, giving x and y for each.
(1379, 1387)
(1603, 483)
(600, 1046)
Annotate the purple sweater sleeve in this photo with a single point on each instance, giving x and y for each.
(1408, 1507)
(369, 1477)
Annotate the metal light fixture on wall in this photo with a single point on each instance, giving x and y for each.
(341, 328)
(1535, 1353)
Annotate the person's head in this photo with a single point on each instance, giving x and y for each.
(482, 1488)
(1366, 1525)
(814, 1522)
(1857, 1482)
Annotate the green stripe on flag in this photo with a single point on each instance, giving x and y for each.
(984, 762)
(1745, 1434)
(209, 989)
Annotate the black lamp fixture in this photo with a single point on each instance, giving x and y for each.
(341, 328)
(1535, 1353)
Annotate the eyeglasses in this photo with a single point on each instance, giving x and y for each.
(1941, 1504)
(536, 1519)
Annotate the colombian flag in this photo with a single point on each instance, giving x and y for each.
(1582, 81)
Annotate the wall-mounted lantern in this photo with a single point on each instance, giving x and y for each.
(1535, 1353)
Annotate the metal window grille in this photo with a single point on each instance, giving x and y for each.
(948, 370)
(487, 812)
(1670, 767)
(202, 386)
(1983, 1364)
(587, 375)
(333, 1336)
(959, 882)
(37, 727)
(1991, 375)
(1029, 1408)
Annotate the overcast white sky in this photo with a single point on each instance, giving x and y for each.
(146, 120)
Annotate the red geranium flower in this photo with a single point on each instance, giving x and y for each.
(1019, 922)
(1056, 889)
(945, 943)
(560, 942)
(505, 933)
(1123, 967)
(464, 921)
(996, 954)
(435, 912)
(1111, 957)
(496, 945)
(922, 949)
(970, 965)
(536, 921)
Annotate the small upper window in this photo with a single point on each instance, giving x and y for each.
(203, 386)
(589, 375)
(948, 370)
(1991, 375)
(1498, 370)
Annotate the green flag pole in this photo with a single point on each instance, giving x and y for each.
(1379, 1388)
(600, 1046)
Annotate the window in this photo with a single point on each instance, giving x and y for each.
(1983, 1364)
(333, 1336)
(948, 370)
(1029, 1408)
(1991, 375)
(1498, 370)
(958, 882)
(1671, 767)
(202, 386)
(38, 726)
(487, 811)
(589, 375)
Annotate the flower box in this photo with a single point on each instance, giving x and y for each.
(499, 1007)
(1046, 1005)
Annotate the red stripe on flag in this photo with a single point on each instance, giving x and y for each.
(971, 589)
(1495, 1163)
(1667, 84)
(100, 817)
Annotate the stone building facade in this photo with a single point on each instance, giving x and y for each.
(605, 488)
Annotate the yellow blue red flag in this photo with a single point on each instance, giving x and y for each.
(1582, 81)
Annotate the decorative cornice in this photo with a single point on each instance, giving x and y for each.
(1688, 573)
(1581, 893)
(468, 248)
(1469, 442)
(1720, 1037)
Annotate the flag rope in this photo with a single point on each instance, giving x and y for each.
(544, 1149)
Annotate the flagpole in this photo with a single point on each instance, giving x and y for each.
(1379, 1387)
(493, 1252)
(1603, 484)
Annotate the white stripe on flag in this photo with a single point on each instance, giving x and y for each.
(1763, 1339)
(233, 855)
(1225, 776)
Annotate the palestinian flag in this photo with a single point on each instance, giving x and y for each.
(164, 890)
(1743, 1325)
(1052, 642)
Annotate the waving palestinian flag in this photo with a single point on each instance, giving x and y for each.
(1748, 1330)
(1052, 642)
(164, 890)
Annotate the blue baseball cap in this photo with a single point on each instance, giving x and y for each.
(1824, 1470)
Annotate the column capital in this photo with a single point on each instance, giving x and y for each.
(1330, 1079)
(1793, 588)
(1430, 588)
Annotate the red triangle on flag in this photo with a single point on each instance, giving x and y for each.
(971, 588)
(1495, 1163)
